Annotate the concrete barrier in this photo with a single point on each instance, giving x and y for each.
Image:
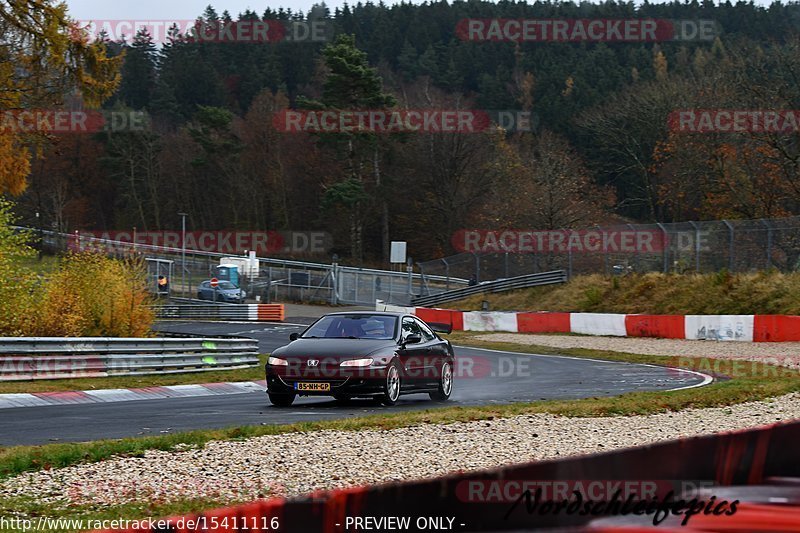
(743, 328)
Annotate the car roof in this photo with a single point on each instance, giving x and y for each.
(387, 313)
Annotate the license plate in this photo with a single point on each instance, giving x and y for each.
(312, 386)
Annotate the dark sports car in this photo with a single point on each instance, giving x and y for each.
(380, 355)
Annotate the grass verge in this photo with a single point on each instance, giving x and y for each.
(22, 514)
(757, 382)
(766, 292)
(132, 382)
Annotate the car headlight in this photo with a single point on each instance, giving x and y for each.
(357, 362)
(277, 361)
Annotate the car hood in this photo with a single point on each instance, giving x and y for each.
(340, 348)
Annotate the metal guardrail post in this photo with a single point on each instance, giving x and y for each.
(605, 248)
(665, 246)
(730, 244)
(635, 251)
(410, 269)
(769, 242)
(696, 246)
(569, 255)
(334, 283)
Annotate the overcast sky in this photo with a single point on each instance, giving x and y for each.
(174, 9)
(188, 9)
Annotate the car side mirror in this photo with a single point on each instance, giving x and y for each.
(413, 339)
(294, 336)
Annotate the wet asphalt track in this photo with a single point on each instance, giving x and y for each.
(496, 378)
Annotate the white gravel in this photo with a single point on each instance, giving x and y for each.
(779, 353)
(296, 463)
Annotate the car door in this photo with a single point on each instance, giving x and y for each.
(205, 291)
(434, 353)
(412, 356)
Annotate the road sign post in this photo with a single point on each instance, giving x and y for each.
(214, 284)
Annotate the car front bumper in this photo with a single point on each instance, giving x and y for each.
(366, 382)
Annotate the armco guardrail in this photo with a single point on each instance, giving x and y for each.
(625, 490)
(35, 358)
(256, 312)
(519, 282)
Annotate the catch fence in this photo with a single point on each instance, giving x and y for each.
(710, 246)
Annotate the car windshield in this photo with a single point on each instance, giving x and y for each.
(362, 326)
(227, 285)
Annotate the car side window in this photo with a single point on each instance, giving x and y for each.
(427, 333)
(410, 328)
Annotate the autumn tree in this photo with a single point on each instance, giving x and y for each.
(44, 57)
(549, 187)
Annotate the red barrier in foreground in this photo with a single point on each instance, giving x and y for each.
(543, 322)
(776, 328)
(442, 316)
(746, 465)
(662, 326)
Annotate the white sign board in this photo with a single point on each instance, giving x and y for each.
(398, 254)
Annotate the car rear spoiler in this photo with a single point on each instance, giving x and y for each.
(440, 327)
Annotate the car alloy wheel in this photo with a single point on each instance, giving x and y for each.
(391, 389)
(445, 384)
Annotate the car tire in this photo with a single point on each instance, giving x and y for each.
(391, 385)
(445, 384)
(281, 400)
(200, 296)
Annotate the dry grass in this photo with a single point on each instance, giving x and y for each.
(655, 293)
